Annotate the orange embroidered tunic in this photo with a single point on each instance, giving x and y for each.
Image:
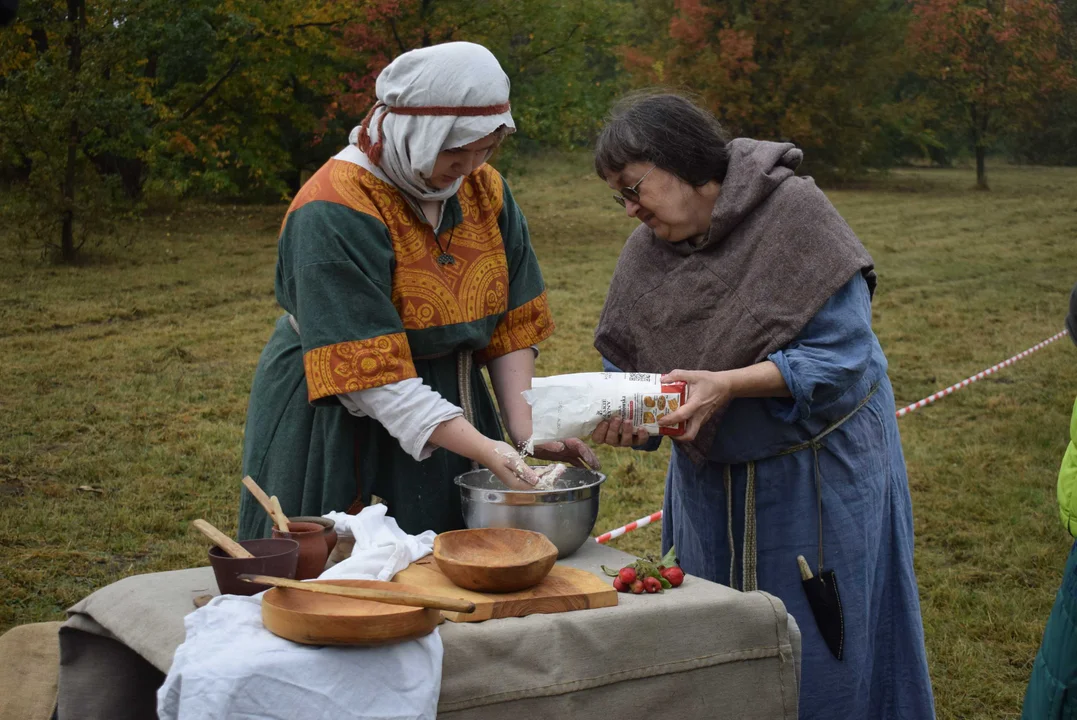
(358, 270)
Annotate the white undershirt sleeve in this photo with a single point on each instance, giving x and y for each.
(410, 410)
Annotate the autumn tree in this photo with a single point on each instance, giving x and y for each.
(820, 75)
(56, 91)
(990, 65)
(243, 89)
(227, 98)
(1052, 139)
(95, 97)
(559, 56)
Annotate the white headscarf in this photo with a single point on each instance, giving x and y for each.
(429, 100)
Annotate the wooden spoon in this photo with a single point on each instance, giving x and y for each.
(259, 495)
(278, 515)
(391, 597)
(221, 540)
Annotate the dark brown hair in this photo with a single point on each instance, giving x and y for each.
(667, 130)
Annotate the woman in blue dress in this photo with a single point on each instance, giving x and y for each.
(744, 281)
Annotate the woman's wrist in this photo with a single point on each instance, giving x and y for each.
(761, 380)
(485, 452)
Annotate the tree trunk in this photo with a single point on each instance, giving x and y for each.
(981, 170)
(67, 230)
(8, 10)
(424, 21)
(132, 172)
(76, 16)
(41, 39)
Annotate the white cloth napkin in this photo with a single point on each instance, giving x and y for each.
(381, 550)
(230, 666)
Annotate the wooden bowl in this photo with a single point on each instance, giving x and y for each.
(494, 559)
(317, 619)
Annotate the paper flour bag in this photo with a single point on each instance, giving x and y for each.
(572, 406)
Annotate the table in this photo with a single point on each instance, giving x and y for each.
(701, 650)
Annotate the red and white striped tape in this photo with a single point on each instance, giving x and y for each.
(978, 376)
(629, 527)
(606, 537)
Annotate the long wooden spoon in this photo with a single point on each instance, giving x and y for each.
(273, 510)
(259, 494)
(221, 540)
(391, 597)
(278, 515)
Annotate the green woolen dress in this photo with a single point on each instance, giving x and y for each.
(367, 305)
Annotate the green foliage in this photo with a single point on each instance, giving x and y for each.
(559, 56)
(238, 99)
(68, 102)
(562, 67)
(818, 75)
(206, 96)
(241, 92)
(1052, 138)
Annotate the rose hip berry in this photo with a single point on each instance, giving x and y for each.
(627, 575)
(637, 587)
(674, 575)
(652, 584)
(620, 585)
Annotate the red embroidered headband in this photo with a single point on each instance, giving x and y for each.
(373, 150)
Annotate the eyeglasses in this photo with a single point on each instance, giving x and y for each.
(631, 194)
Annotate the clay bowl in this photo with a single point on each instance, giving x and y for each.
(317, 619)
(494, 559)
(313, 549)
(329, 525)
(277, 557)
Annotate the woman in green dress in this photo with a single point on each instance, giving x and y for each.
(404, 266)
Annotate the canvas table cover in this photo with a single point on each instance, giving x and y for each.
(701, 650)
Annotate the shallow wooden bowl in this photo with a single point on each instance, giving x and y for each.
(494, 559)
(317, 619)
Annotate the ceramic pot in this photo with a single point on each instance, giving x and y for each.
(277, 557)
(329, 525)
(313, 550)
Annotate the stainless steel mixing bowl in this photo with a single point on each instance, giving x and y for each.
(565, 514)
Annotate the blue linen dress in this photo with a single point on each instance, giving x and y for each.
(866, 513)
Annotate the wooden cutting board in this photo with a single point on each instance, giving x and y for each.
(564, 589)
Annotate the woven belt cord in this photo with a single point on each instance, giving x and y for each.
(464, 366)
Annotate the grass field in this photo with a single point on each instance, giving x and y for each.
(124, 387)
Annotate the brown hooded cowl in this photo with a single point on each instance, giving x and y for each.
(777, 249)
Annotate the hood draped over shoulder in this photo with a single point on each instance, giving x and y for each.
(776, 250)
